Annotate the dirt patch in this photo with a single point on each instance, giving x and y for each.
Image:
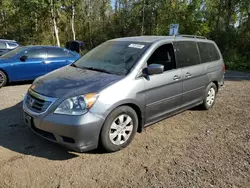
(192, 149)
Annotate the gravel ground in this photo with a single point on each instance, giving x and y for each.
(192, 149)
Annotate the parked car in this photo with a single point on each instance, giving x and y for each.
(30, 62)
(122, 86)
(7, 45)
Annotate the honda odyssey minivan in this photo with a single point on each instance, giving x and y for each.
(121, 87)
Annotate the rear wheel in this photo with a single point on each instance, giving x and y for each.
(210, 96)
(119, 129)
(3, 79)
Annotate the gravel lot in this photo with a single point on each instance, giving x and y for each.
(192, 149)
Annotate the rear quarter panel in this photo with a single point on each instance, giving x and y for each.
(215, 69)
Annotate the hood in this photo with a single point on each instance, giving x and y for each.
(72, 81)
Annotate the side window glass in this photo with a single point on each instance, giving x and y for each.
(57, 52)
(164, 55)
(187, 53)
(204, 52)
(213, 52)
(35, 53)
(70, 54)
(2, 45)
(208, 52)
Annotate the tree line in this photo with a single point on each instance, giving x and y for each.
(54, 22)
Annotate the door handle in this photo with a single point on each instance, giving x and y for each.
(176, 77)
(188, 74)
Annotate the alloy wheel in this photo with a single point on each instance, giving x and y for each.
(1, 79)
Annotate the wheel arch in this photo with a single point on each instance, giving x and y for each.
(8, 79)
(135, 106)
(217, 84)
(139, 114)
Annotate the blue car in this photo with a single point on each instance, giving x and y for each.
(30, 62)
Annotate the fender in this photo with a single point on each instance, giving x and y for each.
(133, 103)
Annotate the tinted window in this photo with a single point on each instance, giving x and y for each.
(163, 55)
(2, 45)
(14, 52)
(70, 54)
(214, 52)
(187, 53)
(208, 52)
(115, 57)
(35, 53)
(57, 52)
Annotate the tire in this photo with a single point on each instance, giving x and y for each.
(3, 79)
(210, 96)
(119, 129)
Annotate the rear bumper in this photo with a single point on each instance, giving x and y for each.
(78, 133)
(221, 82)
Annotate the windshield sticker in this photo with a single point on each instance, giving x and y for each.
(139, 46)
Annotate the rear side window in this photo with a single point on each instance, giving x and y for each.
(2, 45)
(70, 54)
(57, 52)
(187, 53)
(208, 52)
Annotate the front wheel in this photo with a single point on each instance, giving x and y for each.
(3, 79)
(210, 96)
(119, 129)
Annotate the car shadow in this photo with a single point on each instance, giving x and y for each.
(16, 136)
(197, 108)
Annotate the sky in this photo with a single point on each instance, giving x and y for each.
(113, 3)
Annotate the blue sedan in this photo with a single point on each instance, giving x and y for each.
(30, 62)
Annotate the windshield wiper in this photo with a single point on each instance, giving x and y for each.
(99, 70)
(93, 69)
(74, 65)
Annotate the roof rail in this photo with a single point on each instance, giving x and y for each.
(192, 36)
(7, 40)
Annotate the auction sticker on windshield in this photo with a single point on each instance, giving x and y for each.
(139, 46)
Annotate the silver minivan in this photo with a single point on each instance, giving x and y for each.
(121, 87)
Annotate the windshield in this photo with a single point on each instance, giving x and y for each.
(114, 57)
(13, 52)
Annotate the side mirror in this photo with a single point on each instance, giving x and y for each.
(23, 58)
(155, 69)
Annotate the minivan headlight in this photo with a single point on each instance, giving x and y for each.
(77, 105)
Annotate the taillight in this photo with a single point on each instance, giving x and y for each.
(224, 68)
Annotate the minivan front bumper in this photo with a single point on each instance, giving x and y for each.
(79, 133)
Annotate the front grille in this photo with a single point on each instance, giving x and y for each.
(37, 105)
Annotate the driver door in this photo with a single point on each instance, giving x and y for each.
(163, 92)
(32, 66)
